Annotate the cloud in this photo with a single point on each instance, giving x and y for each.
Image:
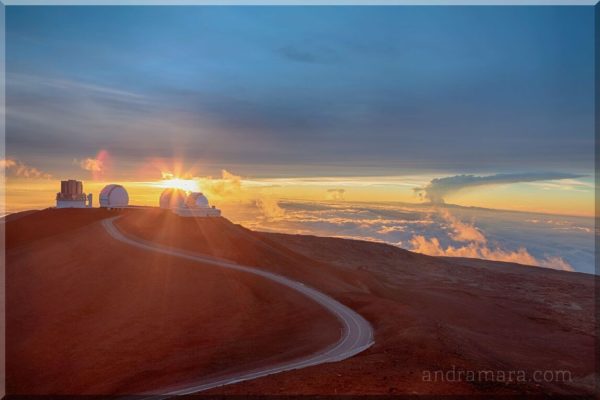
(335, 194)
(432, 247)
(463, 232)
(564, 184)
(135, 122)
(228, 187)
(5, 163)
(423, 235)
(477, 247)
(423, 227)
(98, 166)
(22, 170)
(561, 225)
(91, 164)
(28, 82)
(391, 229)
(439, 188)
(270, 208)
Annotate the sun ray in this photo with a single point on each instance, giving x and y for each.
(188, 185)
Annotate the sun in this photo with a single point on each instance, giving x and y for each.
(189, 185)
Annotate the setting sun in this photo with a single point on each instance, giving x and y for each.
(189, 185)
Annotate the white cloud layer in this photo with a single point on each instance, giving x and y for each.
(525, 238)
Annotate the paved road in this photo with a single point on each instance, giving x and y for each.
(356, 332)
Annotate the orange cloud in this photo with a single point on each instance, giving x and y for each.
(432, 247)
(229, 187)
(463, 232)
(7, 163)
(270, 208)
(22, 170)
(98, 166)
(92, 164)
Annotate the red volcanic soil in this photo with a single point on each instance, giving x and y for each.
(429, 314)
(86, 314)
(89, 315)
(451, 315)
(220, 238)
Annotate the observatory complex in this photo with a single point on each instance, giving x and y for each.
(113, 196)
(71, 195)
(194, 204)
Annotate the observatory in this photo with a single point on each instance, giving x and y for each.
(114, 196)
(194, 204)
(196, 200)
(172, 198)
(71, 195)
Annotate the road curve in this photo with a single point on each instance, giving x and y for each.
(356, 332)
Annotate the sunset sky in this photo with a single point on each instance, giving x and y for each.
(360, 104)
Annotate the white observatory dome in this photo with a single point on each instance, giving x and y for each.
(172, 198)
(197, 200)
(114, 196)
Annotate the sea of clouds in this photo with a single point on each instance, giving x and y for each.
(551, 241)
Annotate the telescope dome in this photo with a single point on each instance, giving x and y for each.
(172, 198)
(197, 200)
(114, 196)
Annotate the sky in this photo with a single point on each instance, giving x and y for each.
(476, 106)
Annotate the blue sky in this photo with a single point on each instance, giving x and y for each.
(305, 90)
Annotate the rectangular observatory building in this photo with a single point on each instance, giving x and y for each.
(71, 195)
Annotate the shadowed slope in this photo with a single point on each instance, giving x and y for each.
(89, 315)
(219, 237)
(28, 226)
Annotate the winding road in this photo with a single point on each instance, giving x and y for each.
(356, 332)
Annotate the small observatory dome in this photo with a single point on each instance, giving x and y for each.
(197, 200)
(114, 196)
(172, 198)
